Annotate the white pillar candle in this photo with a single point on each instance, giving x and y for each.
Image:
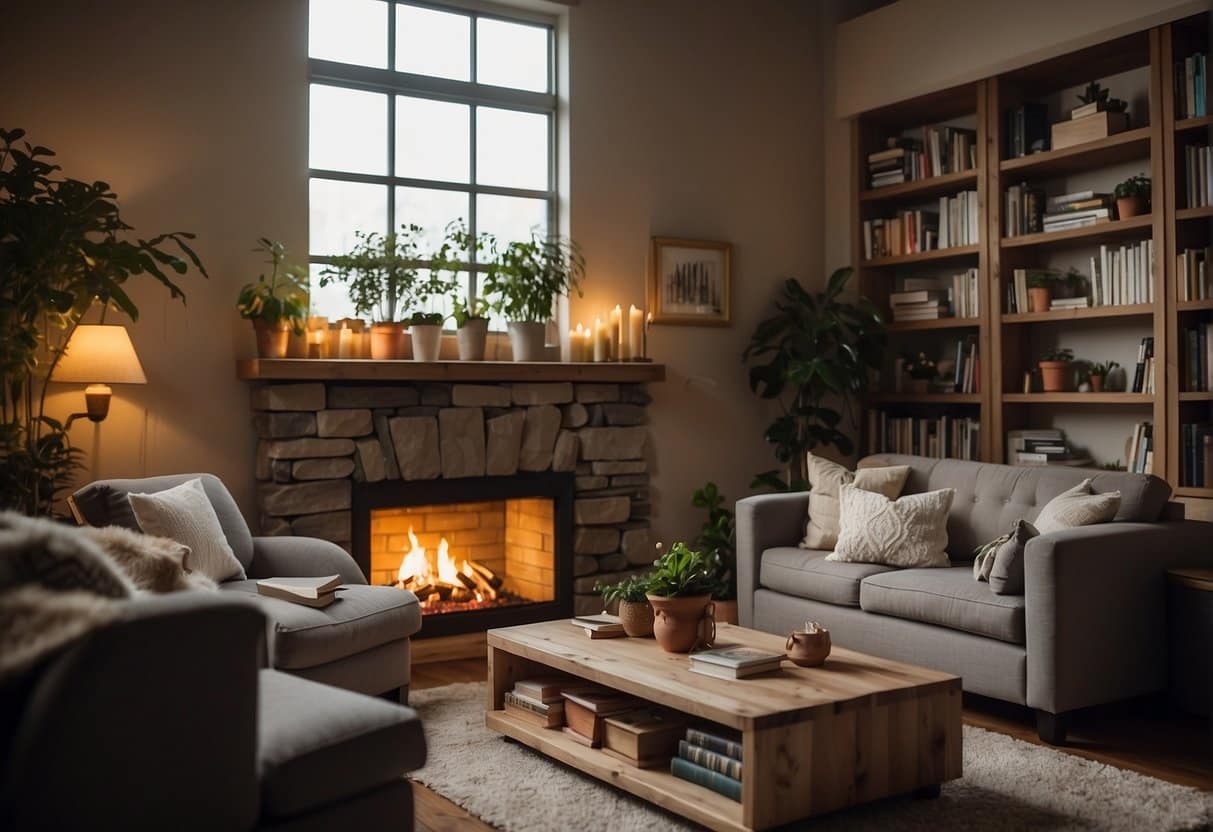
(587, 345)
(615, 328)
(625, 338)
(635, 332)
(343, 342)
(602, 341)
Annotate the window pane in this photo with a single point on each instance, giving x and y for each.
(347, 130)
(332, 301)
(433, 210)
(510, 218)
(338, 209)
(432, 139)
(430, 42)
(349, 31)
(512, 55)
(511, 148)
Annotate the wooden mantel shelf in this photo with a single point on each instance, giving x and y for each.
(299, 369)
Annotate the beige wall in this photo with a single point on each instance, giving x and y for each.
(689, 117)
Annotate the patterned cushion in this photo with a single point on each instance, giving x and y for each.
(186, 515)
(911, 531)
(826, 478)
(1077, 506)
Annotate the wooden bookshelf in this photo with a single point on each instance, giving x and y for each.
(1080, 398)
(1104, 232)
(1194, 305)
(1133, 310)
(934, 323)
(1203, 212)
(933, 256)
(1196, 397)
(1198, 123)
(932, 186)
(925, 398)
(1119, 147)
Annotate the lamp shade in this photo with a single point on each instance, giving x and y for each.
(100, 354)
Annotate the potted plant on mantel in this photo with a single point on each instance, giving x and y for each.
(1056, 370)
(680, 589)
(528, 277)
(1132, 197)
(635, 611)
(470, 313)
(277, 306)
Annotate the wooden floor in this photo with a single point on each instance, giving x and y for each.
(1142, 735)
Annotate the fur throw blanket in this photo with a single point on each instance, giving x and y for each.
(58, 582)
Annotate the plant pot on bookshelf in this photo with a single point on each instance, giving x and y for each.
(1132, 197)
(1040, 290)
(276, 305)
(635, 611)
(524, 281)
(920, 370)
(680, 589)
(1097, 375)
(1056, 370)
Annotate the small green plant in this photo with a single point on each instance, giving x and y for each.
(1101, 370)
(383, 275)
(1064, 355)
(1071, 279)
(632, 589)
(281, 298)
(458, 247)
(526, 277)
(1133, 186)
(682, 572)
(919, 366)
(717, 539)
(1094, 93)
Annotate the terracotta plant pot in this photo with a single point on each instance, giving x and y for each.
(1130, 206)
(636, 618)
(808, 649)
(1039, 299)
(387, 341)
(1096, 384)
(1055, 376)
(272, 339)
(427, 341)
(682, 624)
(920, 386)
(526, 340)
(726, 612)
(471, 337)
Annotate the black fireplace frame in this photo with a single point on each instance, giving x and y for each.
(556, 486)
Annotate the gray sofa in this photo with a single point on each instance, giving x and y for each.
(166, 719)
(1090, 627)
(360, 643)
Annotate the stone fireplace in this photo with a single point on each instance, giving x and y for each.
(523, 484)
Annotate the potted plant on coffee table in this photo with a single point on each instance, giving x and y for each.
(1097, 375)
(276, 305)
(635, 612)
(1056, 370)
(1132, 197)
(527, 279)
(680, 589)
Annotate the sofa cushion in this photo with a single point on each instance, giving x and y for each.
(806, 573)
(947, 598)
(910, 531)
(362, 617)
(827, 479)
(318, 744)
(185, 514)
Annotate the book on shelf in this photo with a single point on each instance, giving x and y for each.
(958, 220)
(709, 759)
(546, 689)
(1027, 129)
(1069, 303)
(1191, 274)
(684, 769)
(943, 436)
(1143, 372)
(1024, 206)
(585, 710)
(1123, 276)
(1030, 459)
(1017, 440)
(1141, 449)
(1198, 175)
(734, 662)
(1191, 86)
(645, 737)
(316, 592)
(940, 150)
(967, 373)
(717, 740)
(603, 625)
(1196, 358)
(1196, 454)
(542, 714)
(1047, 450)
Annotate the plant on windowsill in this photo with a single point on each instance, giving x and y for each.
(1056, 370)
(717, 540)
(680, 589)
(635, 611)
(1097, 375)
(526, 280)
(470, 313)
(1132, 197)
(277, 306)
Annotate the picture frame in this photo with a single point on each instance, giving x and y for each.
(690, 282)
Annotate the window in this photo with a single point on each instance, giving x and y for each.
(421, 114)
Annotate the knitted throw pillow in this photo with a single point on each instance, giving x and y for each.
(911, 531)
(186, 515)
(826, 479)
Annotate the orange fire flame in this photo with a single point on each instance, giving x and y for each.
(415, 568)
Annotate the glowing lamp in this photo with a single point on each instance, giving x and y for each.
(99, 355)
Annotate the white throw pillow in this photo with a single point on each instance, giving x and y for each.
(911, 531)
(186, 515)
(826, 479)
(1079, 506)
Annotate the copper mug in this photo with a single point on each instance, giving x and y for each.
(809, 647)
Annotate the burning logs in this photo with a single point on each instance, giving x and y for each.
(468, 585)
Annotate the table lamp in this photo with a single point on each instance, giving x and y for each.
(99, 355)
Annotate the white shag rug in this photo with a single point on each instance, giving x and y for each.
(1007, 785)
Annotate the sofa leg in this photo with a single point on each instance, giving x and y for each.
(400, 695)
(1052, 727)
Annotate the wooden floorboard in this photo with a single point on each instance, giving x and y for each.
(1142, 735)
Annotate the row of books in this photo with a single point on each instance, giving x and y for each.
(1123, 275)
(941, 150)
(1196, 454)
(1191, 87)
(1143, 372)
(1077, 210)
(1027, 129)
(931, 300)
(915, 230)
(1192, 274)
(1196, 358)
(1047, 446)
(712, 759)
(1024, 208)
(1198, 175)
(942, 436)
(958, 220)
(1141, 449)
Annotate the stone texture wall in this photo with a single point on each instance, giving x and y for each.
(317, 438)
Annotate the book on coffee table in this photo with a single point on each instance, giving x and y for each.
(735, 662)
(310, 592)
(604, 625)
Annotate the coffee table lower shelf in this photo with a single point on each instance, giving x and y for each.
(657, 786)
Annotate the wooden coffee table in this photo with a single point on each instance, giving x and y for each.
(814, 740)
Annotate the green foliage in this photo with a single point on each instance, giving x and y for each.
(683, 572)
(815, 351)
(384, 276)
(1093, 92)
(447, 263)
(632, 588)
(1100, 369)
(526, 277)
(1064, 354)
(717, 539)
(1071, 279)
(63, 248)
(283, 297)
(1133, 186)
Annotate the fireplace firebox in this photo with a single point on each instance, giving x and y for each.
(478, 552)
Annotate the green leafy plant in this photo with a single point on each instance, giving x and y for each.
(1061, 354)
(526, 277)
(383, 274)
(919, 366)
(1138, 185)
(283, 297)
(64, 248)
(632, 589)
(447, 263)
(717, 539)
(812, 356)
(1101, 370)
(682, 572)
(1093, 93)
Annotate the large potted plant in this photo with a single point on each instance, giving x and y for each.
(680, 589)
(528, 277)
(277, 306)
(1056, 370)
(1132, 197)
(813, 357)
(717, 540)
(635, 611)
(64, 249)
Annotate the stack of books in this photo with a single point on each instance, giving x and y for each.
(940, 437)
(645, 737)
(1143, 373)
(1027, 129)
(1198, 175)
(1196, 454)
(1196, 358)
(711, 759)
(942, 149)
(1081, 302)
(1191, 274)
(1077, 210)
(586, 710)
(1024, 208)
(1048, 451)
(603, 625)
(309, 592)
(1019, 442)
(540, 700)
(1141, 449)
(919, 305)
(735, 662)
(898, 162)
(907, 233)
(1124, 275)
(958, 224)
(1191, 87)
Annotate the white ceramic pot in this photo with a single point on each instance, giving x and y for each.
(427, 341)
(471, 337)
(526, 340)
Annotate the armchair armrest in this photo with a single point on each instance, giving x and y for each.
(302, 557)
(147, 723)
(764, 521)
(1096, 609)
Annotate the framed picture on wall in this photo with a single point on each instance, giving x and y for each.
(690, 282)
